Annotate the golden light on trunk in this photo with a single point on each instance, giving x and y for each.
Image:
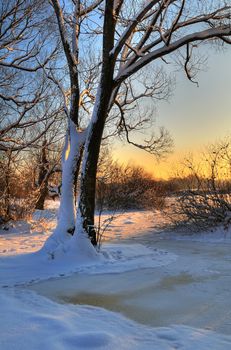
(67, 151)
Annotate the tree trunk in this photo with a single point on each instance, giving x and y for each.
(7, 188)
(71, 159)
(43, 191)
(42, 178)
(70, 169)
(86, 205)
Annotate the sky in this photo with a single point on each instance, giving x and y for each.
(195, 116)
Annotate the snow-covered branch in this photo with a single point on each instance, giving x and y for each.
(167, 49)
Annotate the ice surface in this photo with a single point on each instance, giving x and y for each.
(193, 289)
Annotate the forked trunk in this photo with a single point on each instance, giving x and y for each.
(72, 155)
(86, 203)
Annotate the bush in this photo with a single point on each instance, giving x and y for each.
(206, 200)
(127, 187)
(16, 187)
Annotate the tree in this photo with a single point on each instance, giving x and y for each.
(47, 156)
(23, 56)
(130, 35)
(156, 30)
(79, 98)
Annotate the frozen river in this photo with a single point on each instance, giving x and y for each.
(194, 290)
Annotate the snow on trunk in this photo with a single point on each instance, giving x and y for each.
(86, 203)
(71, 159)
(78, 248)
(86, 198)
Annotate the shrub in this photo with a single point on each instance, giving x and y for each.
(206, 200)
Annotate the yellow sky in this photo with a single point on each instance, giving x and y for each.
(195, 117)
(160, 169)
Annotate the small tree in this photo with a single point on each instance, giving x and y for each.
(16, 189)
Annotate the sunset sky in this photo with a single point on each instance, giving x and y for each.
(195, 116)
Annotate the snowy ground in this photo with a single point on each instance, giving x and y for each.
(150, 291)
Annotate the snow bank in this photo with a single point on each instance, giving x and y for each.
(215, 235)
(113, 258)
(34, 322)
(50, 214)
(23, 237)
(16, 227)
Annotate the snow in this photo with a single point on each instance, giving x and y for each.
(34, 322)
(215, 235)
(149, 277)
(66, 214)
(29, 236)
(193, 290)
(113, 258)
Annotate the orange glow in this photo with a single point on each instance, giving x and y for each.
(163, 169)
(175, 165)
(67, 151)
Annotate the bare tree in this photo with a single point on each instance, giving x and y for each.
(23, 55)
(16, 189)
(127, 36)
(28, 104)
(47, 155)
(156, 29)
(78, 93)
